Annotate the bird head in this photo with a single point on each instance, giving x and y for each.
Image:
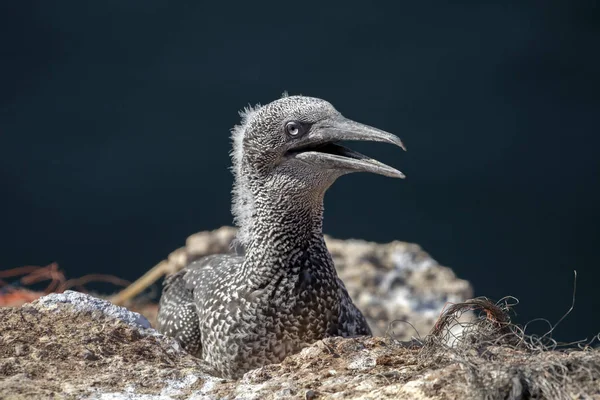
(298, 137)
(292, 146)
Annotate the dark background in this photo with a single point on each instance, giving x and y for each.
(115, 118)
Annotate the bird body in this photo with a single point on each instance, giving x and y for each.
(240, 312)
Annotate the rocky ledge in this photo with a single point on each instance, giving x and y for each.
(72, 345)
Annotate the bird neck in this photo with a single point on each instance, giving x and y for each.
(286, 237)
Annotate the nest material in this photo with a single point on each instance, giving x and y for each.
(497, 359)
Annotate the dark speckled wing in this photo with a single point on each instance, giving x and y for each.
(178, 310)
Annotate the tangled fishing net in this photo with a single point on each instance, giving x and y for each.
(496, 359)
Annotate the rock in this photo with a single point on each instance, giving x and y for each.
(395, 285)
(73, 345)
(407, 373)
(396, 282)
(85, 303)
(77, 346)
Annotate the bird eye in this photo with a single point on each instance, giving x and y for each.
(294, 128)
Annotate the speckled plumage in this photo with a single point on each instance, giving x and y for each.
(242, 312)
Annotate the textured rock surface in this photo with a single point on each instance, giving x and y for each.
(389, 282)
(88, 304)
(72, 345)
(77, 347)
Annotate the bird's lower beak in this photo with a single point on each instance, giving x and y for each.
(319, 147)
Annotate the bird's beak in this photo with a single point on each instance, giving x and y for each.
(319, 147)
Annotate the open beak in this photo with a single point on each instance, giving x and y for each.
(319, 147)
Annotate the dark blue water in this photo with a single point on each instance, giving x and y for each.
(114, 120)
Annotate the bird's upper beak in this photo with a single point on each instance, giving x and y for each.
(319, 147)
